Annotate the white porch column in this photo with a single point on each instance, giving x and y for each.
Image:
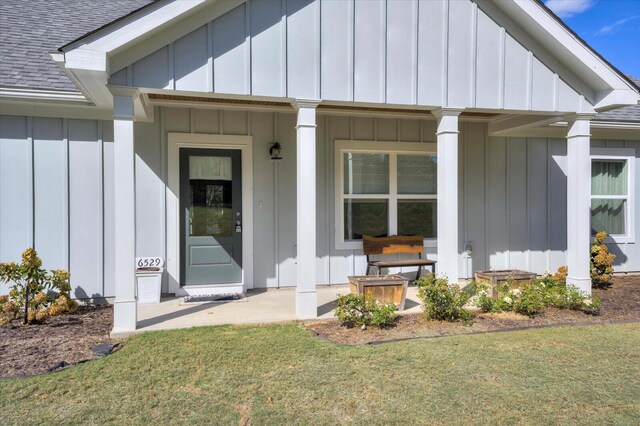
(124, 312)
(306, 294)
(579, 201)
(447, 152)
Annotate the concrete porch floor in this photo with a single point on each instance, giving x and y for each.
(260, 306)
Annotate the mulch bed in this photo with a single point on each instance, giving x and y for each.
(68, 339)
(620, 304)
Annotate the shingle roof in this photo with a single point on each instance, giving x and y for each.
(630, 113)
(32, 29)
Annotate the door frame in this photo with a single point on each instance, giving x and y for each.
(174, 231)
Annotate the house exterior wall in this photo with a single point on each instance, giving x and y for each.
(459, 53)
(56, 187)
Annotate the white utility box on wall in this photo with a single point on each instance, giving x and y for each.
(149, 279)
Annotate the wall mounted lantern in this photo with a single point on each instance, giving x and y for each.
(274, 151)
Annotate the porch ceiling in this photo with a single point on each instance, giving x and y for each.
(169, 98)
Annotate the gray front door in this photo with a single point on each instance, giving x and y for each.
(210, 216)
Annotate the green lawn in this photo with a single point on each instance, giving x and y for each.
(279, 374)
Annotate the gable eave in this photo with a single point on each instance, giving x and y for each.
(92, 58)
(89, 60)
(611, 88)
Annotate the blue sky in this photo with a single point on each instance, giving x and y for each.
(611, 27)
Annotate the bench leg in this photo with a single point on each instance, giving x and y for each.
(418, 273)
(368, 268)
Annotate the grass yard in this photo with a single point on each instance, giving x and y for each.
(280, 374)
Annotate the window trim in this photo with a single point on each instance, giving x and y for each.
(618, 154)
(391, 148)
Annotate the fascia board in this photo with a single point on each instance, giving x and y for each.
(612, 99)
(121, 57)
(559, 131)
(41, 95)
(86, 59)
(139, 25)
(38, 108)
(628, 125)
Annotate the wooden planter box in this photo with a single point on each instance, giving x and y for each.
(384, 288)
(494, 278)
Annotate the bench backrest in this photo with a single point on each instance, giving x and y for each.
(393, 244)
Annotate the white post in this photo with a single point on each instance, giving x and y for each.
(124, 312)
(306, 294)
(579, 201)
(447, 152)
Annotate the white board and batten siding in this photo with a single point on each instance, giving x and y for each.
(55, 196)
(56, 192)
(413, 52)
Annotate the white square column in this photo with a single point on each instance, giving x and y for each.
(125, 309)
(447, 153)
(579, 201)
(306, 294)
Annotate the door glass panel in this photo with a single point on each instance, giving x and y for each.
(210, 202)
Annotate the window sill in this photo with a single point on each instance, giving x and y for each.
(619, 239)
(357, 245)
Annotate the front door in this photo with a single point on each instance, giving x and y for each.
(210, 216)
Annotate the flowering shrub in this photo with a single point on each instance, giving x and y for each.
(442, 301)
(362, 310)
(601, 261)
(530, 299)
(561, 274)
(29, 293)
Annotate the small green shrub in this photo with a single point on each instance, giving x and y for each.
(384, 315)
(361, 310)
(528, 300)
(442, 301)
(486, 303)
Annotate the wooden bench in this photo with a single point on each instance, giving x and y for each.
(396, 244)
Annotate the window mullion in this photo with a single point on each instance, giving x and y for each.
(609, 197)
(393, 194)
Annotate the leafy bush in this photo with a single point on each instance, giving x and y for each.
(486, 303)
(601, 261)
(528, 300)
(384, 315)
(362, 311)
(542, 292)
(442, 301)
(29, 293)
